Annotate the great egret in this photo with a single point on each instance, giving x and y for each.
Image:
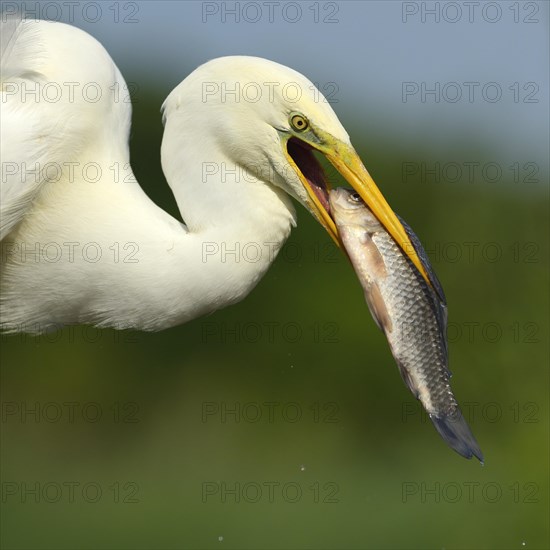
(81, 241)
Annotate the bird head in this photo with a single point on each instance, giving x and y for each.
(271, 119)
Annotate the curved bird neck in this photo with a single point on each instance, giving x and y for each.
(148, 271)
(236, 224)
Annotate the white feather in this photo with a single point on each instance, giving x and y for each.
(152, 272)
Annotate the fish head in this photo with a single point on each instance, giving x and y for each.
(348, 208)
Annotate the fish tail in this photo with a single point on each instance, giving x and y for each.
(457, 434)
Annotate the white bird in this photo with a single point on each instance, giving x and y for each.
(82, 242)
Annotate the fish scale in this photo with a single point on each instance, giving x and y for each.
(412, 314)
(412, 300)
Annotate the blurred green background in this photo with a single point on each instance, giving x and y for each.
(134, 444)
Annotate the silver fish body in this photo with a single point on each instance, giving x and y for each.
(411, 313)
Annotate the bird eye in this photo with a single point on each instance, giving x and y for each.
(355, 197)
(299, 122)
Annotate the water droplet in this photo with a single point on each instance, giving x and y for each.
(302, 468)
(220, 539)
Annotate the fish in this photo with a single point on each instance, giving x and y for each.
(411, 313)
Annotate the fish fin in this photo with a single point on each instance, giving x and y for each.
(424, 258)
(409, 382)
(377, 271)
(377, 308)
(457, 434)
(375, 260)
(442, 316)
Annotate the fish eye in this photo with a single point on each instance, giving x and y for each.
(355, 197)
(299, 122)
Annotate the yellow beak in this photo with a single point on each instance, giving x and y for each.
(346, 160)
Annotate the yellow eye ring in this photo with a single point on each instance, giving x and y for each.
(299, 122)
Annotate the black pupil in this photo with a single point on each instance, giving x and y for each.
(356, 197)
